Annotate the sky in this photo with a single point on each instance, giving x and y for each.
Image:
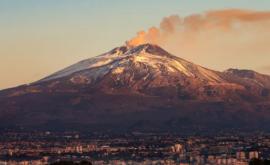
(40, 37)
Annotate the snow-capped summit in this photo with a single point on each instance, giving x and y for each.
(142, 61)
(147, 68)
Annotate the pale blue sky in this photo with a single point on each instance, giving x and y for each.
(114, 20)
(38, 37)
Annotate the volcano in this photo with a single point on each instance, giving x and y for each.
(142, 88)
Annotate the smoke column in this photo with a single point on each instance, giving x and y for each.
(217, 39)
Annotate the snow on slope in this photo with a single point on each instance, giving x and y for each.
(151, 56)
(97, 61)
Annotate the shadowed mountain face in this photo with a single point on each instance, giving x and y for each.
(142, 88)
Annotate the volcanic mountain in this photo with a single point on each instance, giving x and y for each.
(142, 88)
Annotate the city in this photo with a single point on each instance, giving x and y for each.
(34, 148)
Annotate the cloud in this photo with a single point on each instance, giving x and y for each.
(214, 38)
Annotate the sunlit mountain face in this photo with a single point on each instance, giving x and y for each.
(139, 88)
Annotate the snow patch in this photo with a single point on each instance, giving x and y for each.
(118, 70)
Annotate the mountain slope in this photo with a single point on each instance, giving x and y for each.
(123, 88)
(152, 59)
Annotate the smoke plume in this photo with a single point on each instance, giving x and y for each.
(213, 37)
